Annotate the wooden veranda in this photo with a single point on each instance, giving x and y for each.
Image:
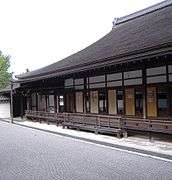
(102, 123)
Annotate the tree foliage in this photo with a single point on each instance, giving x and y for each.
(5, 75)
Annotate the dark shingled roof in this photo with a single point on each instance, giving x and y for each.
(142, 32)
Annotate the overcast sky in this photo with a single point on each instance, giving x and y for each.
(37, 33)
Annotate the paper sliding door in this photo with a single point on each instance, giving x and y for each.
(79, 101)
(112, 102)
(94, 101)
(151, 102)
(129, 102)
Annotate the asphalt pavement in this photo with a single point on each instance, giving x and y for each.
(30, 154)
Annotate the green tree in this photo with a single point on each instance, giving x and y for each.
(5, 75)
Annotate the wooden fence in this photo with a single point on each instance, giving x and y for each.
(102, 123)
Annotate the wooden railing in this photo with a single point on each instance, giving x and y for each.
(94, 120)
(44, 116)
(102, 123)
(90, 122)
(163, 125)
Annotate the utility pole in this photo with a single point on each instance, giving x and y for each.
(11, 103)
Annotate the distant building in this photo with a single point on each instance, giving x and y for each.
(4, 99)
(4, 104)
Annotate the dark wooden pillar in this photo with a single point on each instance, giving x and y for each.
(85, 94)
(36, 101)
(64, 101)
(55, 102)
(46, 102)
(169, 91)
(22, 106)
(106, 90)
(123, 89)
(74, 95)
(144, 92)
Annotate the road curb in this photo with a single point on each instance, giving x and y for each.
(126, 148)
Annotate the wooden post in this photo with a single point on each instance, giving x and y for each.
(106, 98)
(144, 92)
(22, 106)
(36, 101)
(11, 102)
(55, 102)
(85, 96)
(123, 90)
(46, 102)
(168, 90)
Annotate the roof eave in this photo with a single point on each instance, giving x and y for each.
(101, 63)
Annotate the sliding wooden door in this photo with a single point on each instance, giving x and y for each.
(94, 101)
(112, 104)
(129, 102)
(79, 101)
(151, 102)
(70, 102)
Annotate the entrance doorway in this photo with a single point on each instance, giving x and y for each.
(162, 98)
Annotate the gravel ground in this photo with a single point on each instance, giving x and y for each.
(28, 154)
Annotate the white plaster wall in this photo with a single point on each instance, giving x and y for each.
(4, 110)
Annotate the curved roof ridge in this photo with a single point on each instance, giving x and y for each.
(142, 12)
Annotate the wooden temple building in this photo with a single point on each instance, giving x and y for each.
(121, 82)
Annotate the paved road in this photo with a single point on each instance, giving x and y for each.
(28, 154)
